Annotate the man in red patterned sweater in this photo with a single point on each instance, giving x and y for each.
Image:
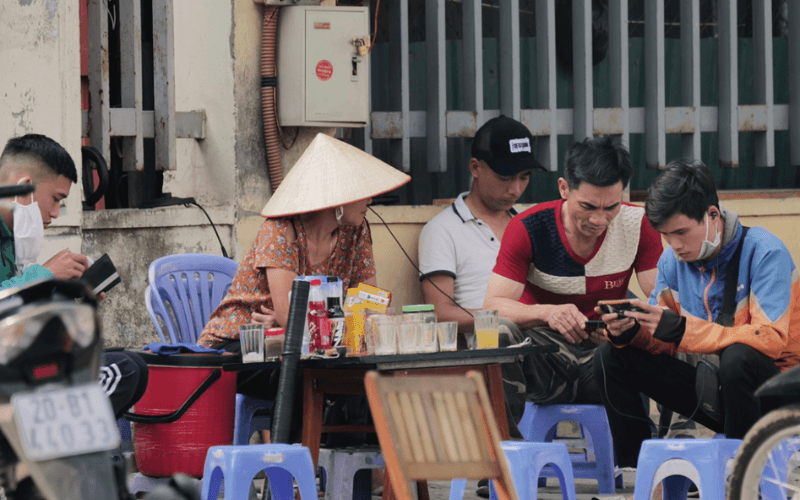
(556, 260)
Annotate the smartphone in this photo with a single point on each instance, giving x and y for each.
(593, 324)
(617, 306)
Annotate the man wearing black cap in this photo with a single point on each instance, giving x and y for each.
(557, 259)
(458, 247)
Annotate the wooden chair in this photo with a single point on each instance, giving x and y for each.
(437, 427)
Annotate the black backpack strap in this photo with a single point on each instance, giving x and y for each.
(725, 317)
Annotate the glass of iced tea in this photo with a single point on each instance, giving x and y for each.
(486, 329)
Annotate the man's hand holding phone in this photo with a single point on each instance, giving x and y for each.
(596, 330)
(620, 315)
(618, 306)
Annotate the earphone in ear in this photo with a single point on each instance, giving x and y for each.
(714, 215)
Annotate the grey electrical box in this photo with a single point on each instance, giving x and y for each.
(323, 66)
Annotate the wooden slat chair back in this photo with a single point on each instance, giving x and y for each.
(437, 427)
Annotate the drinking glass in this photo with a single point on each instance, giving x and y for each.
(448, 335)
(251, 337)
(487, 325)
(384, 333)
(427, 340)
(407, 337)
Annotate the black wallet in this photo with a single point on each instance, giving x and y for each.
(102, 275)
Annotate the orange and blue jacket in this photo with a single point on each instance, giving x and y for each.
(767, 313)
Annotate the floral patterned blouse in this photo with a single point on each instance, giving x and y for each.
(351, 260)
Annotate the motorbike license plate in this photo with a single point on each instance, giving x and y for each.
(65, 422)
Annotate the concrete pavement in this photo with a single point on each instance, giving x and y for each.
(585, 489)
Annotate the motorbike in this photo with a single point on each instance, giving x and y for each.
(767, 465)
(55, 417)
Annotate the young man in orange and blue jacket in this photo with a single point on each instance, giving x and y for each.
(683, 315)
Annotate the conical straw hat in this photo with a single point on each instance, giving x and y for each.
(329, 174)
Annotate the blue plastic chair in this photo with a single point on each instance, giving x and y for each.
(678, 462)
(184, 290)
(190, 287)
(238, 465)
(540, 424)
(247, 421)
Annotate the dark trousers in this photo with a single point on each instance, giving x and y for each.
(622, 373)
(540, 378)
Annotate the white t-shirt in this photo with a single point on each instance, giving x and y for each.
(457, 244)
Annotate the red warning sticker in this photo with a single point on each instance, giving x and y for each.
(322, 26)
(324, 70)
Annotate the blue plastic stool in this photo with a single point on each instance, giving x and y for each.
(125, 435)
(238, 465)
(125, 451)
(776, 472)
(339, 477)
(246, 421)
(678, 462)
(457, 489)
(527, 461)
(540, 424)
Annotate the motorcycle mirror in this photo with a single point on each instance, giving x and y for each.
(16, 190)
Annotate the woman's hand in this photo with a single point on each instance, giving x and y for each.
(265, 317)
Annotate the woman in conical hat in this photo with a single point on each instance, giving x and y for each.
(314, 226)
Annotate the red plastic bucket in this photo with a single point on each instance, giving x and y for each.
(189, 406)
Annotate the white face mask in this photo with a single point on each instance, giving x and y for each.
(28, 233)
(708, 247)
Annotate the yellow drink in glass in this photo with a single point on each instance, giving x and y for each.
(487, 339)
(487, 326)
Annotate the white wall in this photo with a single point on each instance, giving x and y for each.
(204, 80)
(40, 90)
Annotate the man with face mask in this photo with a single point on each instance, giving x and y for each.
(40, 161)
(751, 323)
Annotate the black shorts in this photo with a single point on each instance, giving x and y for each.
(123, 376)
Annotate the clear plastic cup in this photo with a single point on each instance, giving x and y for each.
(273, 343)
(384, 333)
(487, 324)
(407, 337)
(427, 339)
(448, 335)
(251, 337)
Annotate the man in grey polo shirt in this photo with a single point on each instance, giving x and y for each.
(458, 247)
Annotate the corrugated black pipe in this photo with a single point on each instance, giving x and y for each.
(293, 343)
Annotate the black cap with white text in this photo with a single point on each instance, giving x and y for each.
(506, 146)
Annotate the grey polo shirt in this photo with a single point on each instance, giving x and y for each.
(457, 244)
